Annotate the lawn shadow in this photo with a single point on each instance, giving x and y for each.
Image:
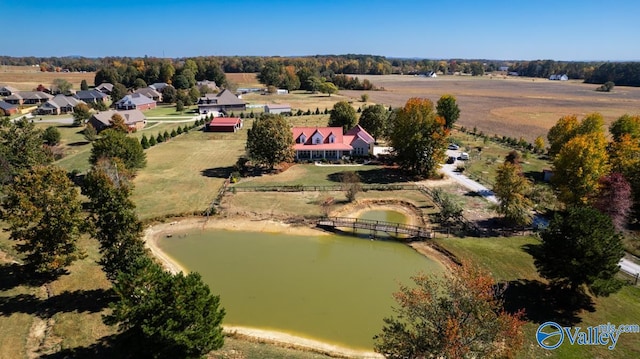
(78, 143)
(218, 172)
(122, 345)
(543, 302)
(373, 176)
(535, 176)
(13, 275)
(87, 301)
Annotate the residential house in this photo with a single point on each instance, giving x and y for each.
(132, 118)
(277, 108)
(211, 85)
(224, 124)
(58, 105)
(221, 102)
(28, 98)
(7, 90)
(159, 86)
(7, 109)
(313, 143)
(105, 88)
(135, 101)
(150, 93)
(91, 96)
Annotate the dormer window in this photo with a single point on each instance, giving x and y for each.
(316, 140)
(302, 138)
(332, 138)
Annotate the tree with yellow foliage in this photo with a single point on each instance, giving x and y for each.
(579, 165)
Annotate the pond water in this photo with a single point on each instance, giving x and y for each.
(334, 289)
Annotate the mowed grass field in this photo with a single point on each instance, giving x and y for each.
(27, 78)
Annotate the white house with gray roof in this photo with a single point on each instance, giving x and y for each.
(135, 101)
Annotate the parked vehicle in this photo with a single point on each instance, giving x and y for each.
(453, 146)
(451, 160)
(464, 156)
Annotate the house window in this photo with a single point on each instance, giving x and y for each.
(316, 140)
(302, 139)
(332, 139)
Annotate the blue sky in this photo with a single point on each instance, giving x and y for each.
(509, 30)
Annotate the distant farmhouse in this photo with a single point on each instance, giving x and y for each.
(277, 108)
(314, 143)
(211, 85)
(222, 102)
(58, 105)
(132, 118)
(135, 101)
(559, 77)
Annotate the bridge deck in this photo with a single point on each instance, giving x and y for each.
(378, 226)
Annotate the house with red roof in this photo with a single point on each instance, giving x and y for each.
(224, 124)
(314, 143)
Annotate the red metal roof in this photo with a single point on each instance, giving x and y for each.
(225, 121)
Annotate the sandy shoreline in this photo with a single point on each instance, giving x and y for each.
(153, 233)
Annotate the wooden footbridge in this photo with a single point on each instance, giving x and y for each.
(374, 226)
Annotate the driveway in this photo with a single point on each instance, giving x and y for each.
(449, 170)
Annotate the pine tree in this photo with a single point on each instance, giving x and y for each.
(144, 142)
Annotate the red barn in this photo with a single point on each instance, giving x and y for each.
(224, 124)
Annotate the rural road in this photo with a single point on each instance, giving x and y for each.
(626, 265)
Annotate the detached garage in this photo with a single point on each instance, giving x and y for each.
(224, 124)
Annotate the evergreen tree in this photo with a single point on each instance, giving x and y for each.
(144, 142)
(173, 133)
(51, 136)
(160, 138)
(152, 141)
(581, 247)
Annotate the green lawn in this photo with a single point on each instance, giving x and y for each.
(508, 260)
(483, 164)
(170, 111)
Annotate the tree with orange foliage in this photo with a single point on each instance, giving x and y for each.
(418, 136)
(458, 315)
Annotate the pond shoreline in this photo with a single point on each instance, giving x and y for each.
(243, 223)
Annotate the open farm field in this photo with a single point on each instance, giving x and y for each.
(506, 106)
(27, 78)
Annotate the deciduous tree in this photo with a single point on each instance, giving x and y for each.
(512, 188)
(61, 86)
(44, 214)
(418, 137)
(343, 115)
(117, 228)
(458, 315)
(81, 114)
(116, 144)
(350, 184)
(21, 147)
(51, 136)
(581, 247)
(448, 109)
(538, 144)
(614, 199)
(626, 124)
(117, 123)
(270, 141)
(374, 120)
(578, 167)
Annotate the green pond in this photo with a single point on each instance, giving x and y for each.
(335, 289)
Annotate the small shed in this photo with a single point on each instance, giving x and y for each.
(277, 108)
(282, 92)
(547, 174)
(224, 124)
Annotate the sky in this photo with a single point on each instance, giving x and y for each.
(562, 30)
